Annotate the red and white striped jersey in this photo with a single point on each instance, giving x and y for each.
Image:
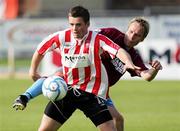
(81, 61)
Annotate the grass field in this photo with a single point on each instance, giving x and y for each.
(18, 62)
(153, 106)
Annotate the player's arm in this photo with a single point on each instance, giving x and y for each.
(151, 73)
(36, 60)
(47, 45)
(126, 58)
(119, 52)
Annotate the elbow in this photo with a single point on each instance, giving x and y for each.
(149, 79)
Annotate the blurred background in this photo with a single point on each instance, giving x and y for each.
(24, 23)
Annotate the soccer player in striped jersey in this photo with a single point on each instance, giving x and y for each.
(82, 70)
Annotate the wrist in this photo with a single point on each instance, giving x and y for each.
(154, 69)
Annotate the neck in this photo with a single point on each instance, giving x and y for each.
(126, 43)
(83, 38)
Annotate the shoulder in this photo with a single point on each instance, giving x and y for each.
(54, 37)
(110, 30)
(60, 35)
(61, 32)
(55, 34)
(114, 34)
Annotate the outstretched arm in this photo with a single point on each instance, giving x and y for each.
(151, 73)
(126, 58)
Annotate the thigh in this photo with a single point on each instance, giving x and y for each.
(49, 124)
(114, 112)
(107, 126)
(61, 110)
(94, 108)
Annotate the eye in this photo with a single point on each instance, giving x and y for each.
(131, 31)
(71, 24)
(138, 35)
(78, 25)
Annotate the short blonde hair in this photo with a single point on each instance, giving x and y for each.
(143, 22)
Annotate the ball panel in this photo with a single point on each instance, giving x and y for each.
(54, 88)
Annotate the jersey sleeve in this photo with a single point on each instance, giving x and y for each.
(49, 43)
(108, 45)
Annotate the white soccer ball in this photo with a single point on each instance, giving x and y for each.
(54, 88)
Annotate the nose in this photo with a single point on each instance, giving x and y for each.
(132, 36)
(74, 27)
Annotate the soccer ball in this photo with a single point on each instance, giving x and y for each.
(54, 88)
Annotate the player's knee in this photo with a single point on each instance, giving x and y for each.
(49, 127)
(45, 128)
(41, 129)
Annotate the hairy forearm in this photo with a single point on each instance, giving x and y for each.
(149, 74)
(123, 55)
(126, 58)
(36, 59)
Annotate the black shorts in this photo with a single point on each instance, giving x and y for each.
(92, 106)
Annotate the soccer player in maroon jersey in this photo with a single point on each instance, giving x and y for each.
(83, 71)
(137, 31)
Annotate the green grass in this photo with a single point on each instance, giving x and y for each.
(153, 106)
(18, 62)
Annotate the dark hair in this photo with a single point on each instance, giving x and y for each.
(79, 11)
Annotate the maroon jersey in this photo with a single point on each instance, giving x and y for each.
(115, 67)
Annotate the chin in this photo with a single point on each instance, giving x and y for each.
(76, 36)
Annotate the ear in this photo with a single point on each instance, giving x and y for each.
(88, 24)
(142, 40)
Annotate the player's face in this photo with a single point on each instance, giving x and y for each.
(134, 34)
(78, 27)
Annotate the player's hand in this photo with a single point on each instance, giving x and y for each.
(156, 65)
(130, 65)
(34, 75)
